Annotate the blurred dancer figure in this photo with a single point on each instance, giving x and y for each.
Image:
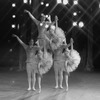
(58, 36)
(31, 62)
(59, 64)
(42, 27)
(65, 60)
(72, 60)
(45, 61)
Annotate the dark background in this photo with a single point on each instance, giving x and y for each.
(88, 12)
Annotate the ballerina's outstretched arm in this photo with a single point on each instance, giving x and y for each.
(56, 20)
(32, 17)
(71, 43)
(49, 18)
(20, 41)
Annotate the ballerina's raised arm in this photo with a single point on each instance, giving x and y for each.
(32, 17)
(20, 41)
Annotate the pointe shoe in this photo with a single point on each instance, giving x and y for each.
(61, 86)
(33, 89)
(40, 90)
(66, 89)
(56, 86)
(29, 89)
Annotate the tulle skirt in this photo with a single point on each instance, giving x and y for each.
(32, 66)
(60, 39)
(59, 65)
(72, 63)
(60, 33)
(45, 64)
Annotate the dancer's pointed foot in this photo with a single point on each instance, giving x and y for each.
(66, 89)
(39, 90)
(56, 86)
(29, 89)
(61, 86)
(33, 89)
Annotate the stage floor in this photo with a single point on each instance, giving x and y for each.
(82, 86)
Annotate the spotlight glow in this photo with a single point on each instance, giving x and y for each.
(13, 25)
(13, 16)
(46, 16)
(74, 23)
(59, 1)
(81, 24)
(47, 5)
(13, 5)
(41, 24)
(65, 2)
(75, 13)
(75, 2)
(42, 3)
(25, 1)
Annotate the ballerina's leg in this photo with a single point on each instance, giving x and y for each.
(61, 78)
(29, 71)
(34, 79)
(66, 80)
(56, 78)
(39, 83)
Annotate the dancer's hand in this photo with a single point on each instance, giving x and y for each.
(14, 35)
(56, 18)
(26, 11)
(42, 15)
(37, 42)
(49, 17)
(71, 40)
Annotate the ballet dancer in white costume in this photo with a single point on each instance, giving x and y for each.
(31, 63)
(65, 60)
(72, 61)
(42, 26)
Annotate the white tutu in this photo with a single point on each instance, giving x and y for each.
(61, 36)
(59, 39)
(60, 33)
(45, 64)
(73, 61)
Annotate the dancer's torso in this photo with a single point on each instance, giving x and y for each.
(31, 54)
(59, 55)
(41, 29)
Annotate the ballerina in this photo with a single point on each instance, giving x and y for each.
(42, 27)
(57, 35)
(59, 64)
(65, 60)
(31, 63)
(45, 62)
(72, 60)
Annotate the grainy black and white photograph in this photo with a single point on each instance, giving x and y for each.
(49, 49)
